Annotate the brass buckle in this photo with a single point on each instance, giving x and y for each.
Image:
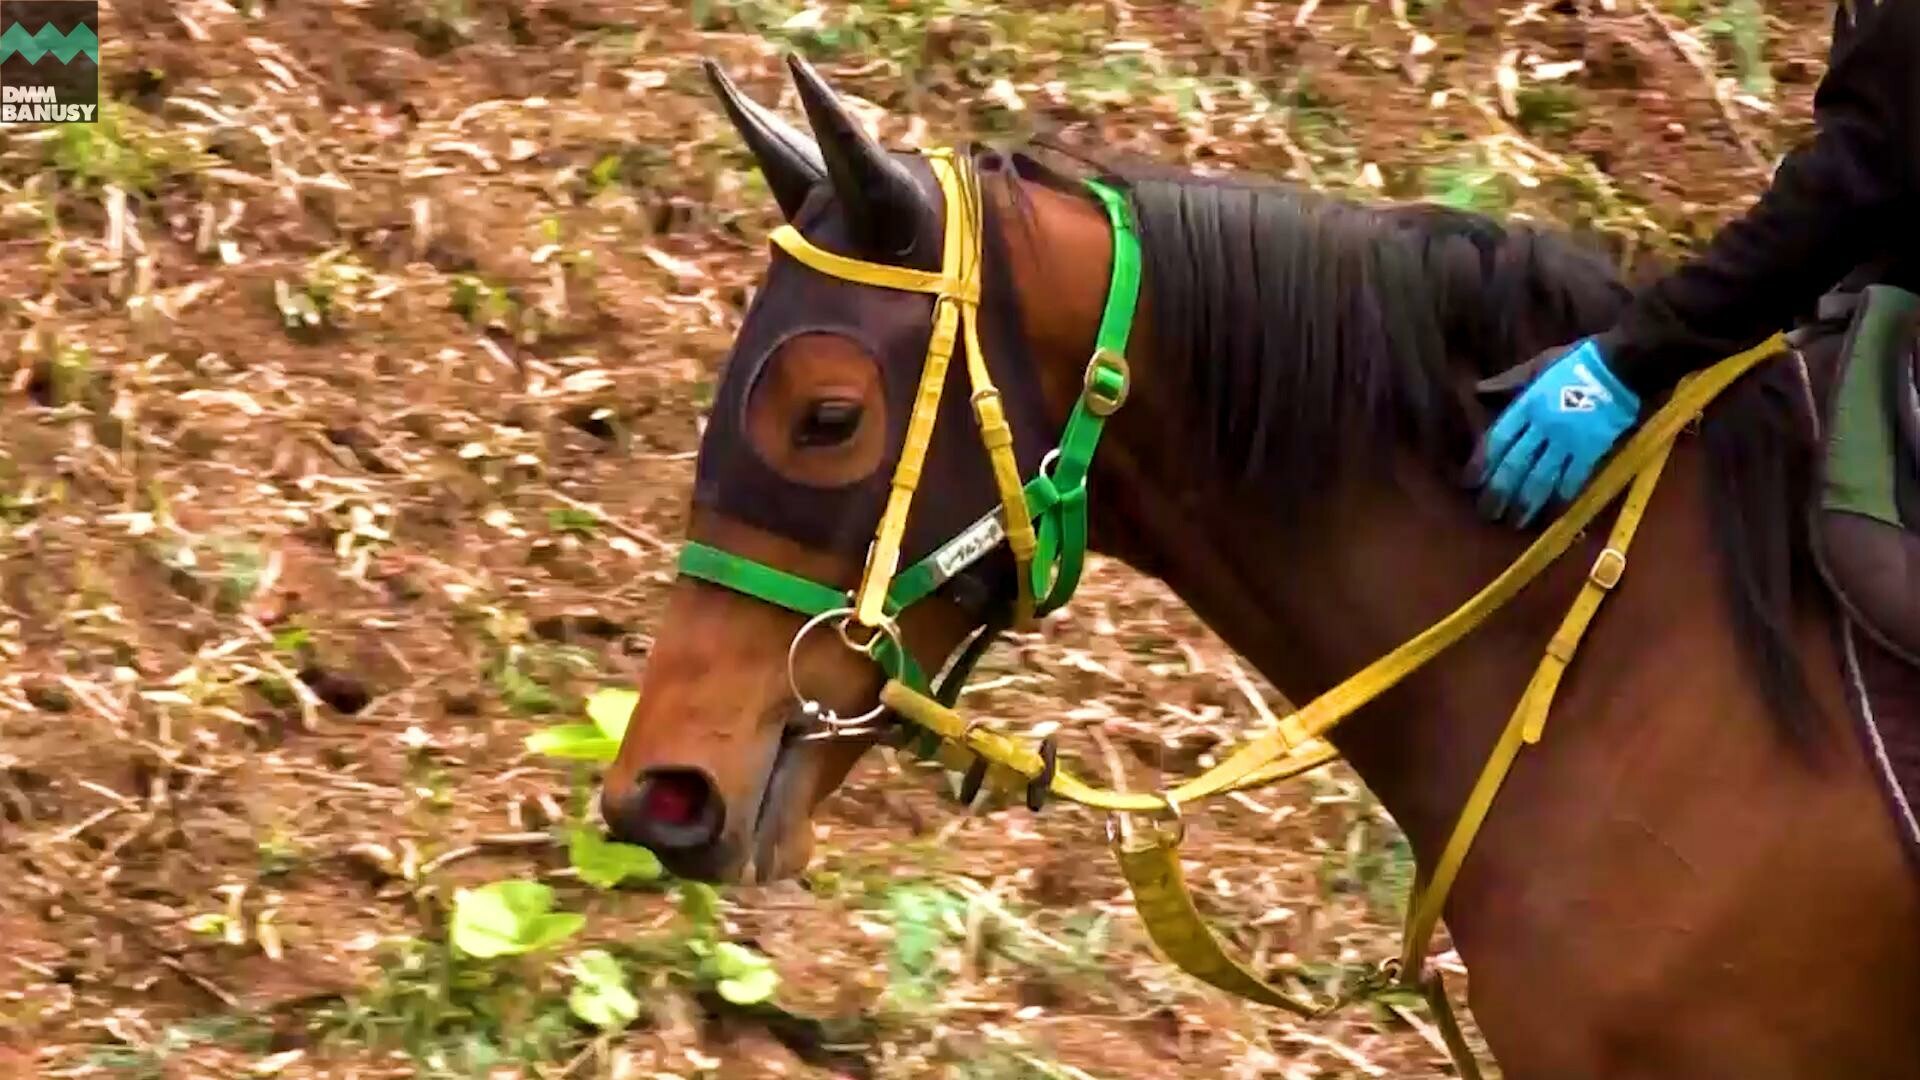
(1098, 403)
(1607, 568)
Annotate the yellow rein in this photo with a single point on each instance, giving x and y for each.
(1296, 745)
(1152, 867)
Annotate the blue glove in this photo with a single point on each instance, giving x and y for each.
(1552, 436)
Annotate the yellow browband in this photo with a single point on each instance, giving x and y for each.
(1296, 744)
(956, 289)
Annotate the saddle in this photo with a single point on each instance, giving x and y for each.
(1862, 361)
(1861, 356)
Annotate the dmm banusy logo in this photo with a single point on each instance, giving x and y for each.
(49, 61)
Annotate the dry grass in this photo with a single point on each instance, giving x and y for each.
(355, 367)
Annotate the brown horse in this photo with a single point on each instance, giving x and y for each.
(1693, 875)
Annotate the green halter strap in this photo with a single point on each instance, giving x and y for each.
(1056, 497)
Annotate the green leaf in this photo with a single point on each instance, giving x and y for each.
(292, 639)
(700, 904)
(568, 519)
(751, 988)
(602, 997)
(732, 960)
(610, 708)
(507, 918)
(604, 863)
(525, 694)
(604, 172)
(581, 742)
(549, 930)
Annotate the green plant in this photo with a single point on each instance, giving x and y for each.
(508, 918)
(153, 1060)
(737, 973)
(121, 149)
(280, 852)
(566, 519)
(605, 864)
(439, 24)
(482, 303)
(72, 377)
(223, 571)
(608, 710)
(601, 995)
(455, 1014)
(239, 563)
(1743, 23)
(1376, 861)
(329, 291)
(483, 998)
(1470, 186)
(1547, 108)
(533, 678)
(523, 693)
(926, 918)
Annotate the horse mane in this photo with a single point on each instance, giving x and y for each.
(1306, 331)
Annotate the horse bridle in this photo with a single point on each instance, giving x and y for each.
(1043, 521)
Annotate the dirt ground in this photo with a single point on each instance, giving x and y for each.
(352, 375)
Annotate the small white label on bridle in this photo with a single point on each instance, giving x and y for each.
(964, 550)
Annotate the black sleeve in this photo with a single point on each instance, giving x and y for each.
(1837, 201)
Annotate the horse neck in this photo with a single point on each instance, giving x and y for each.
(1311, 597)
(1308, 595)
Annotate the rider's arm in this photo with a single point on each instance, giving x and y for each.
(1836, 202)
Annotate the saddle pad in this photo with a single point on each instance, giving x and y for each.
(1883, 692)
(1866, 513)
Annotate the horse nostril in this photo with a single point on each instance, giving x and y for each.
(668, 810)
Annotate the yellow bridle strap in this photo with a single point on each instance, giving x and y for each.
(1152, 868)
(880, 275)
(996, 435)
(1524, 728)
(1650, 443)
(1529, 718)
(956, 288)
(952, 753)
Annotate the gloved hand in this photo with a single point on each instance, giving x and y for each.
(1552, 436)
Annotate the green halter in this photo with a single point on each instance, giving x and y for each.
(1056, 497)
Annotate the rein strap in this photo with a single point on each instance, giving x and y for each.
(1152, 868)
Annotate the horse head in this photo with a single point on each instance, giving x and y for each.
(760, 693)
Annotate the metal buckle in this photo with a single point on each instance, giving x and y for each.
(835, 725)
(1098, 403)
(1607, 568)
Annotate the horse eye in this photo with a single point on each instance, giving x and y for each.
(828, 422)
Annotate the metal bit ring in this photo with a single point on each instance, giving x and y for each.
(835, 724)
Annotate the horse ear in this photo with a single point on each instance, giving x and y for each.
(887, 208)
(788, 158)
